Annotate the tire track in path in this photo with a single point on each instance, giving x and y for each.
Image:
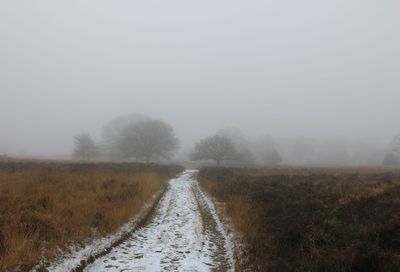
(185, 234)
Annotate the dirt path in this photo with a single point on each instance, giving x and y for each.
(185, 234)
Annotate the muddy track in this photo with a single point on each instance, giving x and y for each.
(184, 233)
(142, 222)
(215, 233)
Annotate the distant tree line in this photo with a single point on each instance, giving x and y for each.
(269, 151)
(231, 145)
(217, 148)
(126, 138)
(85, 147)
(139, 138)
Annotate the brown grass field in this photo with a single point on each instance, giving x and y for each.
(48, 206)
(310, 219)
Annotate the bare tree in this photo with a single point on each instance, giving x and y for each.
(148, 140)
(85, 147)
(216, 148)
(265, 150)
(112, 134)
(272, 157)
(392, 158)
(241, 143)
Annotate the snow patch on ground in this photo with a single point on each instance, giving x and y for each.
(175, 239)
(184, 234)
(72, 260)
(222, 229)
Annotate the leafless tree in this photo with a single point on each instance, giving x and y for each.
(148, 140)
(85, 148)
(241, 143)
(216, 148)
(266, 152)
(392, 158)
(272, 157)
(112, 134)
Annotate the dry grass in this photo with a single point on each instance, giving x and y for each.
(311, 219)
(49, 206)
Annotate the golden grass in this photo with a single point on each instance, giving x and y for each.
(43, 209)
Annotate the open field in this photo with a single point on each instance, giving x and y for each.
(310, 219)
(49, 206)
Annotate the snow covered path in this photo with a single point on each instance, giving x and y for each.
(185, 234)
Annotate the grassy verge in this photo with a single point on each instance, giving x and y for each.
(48, 206)
(311, 219)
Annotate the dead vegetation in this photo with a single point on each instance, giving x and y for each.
(47, 206)
(311, 219)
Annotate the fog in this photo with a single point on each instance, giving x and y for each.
(323, 70)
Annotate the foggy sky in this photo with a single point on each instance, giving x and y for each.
(286, 68)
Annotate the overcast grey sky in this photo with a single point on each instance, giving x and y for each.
(288, 67)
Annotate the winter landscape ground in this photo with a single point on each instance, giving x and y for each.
(137, 217)
(310, 219)
(51, 209)
(246, 136)
(185, 234)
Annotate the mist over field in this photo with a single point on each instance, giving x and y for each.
(212, 135)
(322, 76)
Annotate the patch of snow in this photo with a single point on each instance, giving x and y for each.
(72, 260)
(222, 229)
(174, 240)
